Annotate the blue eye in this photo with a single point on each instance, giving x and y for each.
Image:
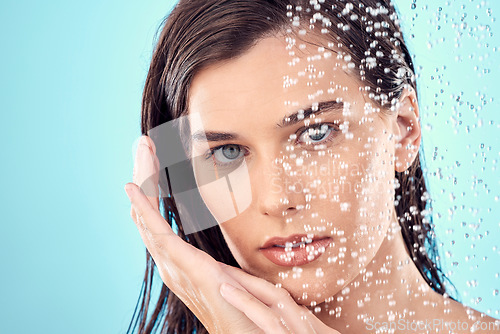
(230, 154)
(225, 154)
(317, 134)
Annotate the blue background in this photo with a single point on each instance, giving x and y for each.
(71, 81)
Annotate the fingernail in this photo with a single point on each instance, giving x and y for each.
(144, 165)
(128, 190)
(145, 145)
(140, 144)
(143, 151)
(226, 289)
(146, 140)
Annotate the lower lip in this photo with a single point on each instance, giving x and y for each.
(296, 256)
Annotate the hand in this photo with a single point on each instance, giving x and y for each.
(271, 308)
(184, 269)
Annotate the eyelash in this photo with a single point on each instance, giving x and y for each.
(331, 127)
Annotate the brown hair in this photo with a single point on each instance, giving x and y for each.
(199, 33)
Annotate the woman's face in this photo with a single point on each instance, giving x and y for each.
(326, 174)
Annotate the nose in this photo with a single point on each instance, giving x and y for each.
(278, 193)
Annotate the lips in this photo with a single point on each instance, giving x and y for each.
(291, 240)
(294, 250)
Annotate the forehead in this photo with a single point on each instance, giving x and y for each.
(271, 80)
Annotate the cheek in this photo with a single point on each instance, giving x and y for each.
(354, 201)
(239, 241)
(368, 208)
(225, 191)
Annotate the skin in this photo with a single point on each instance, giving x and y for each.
(345, 285)
(232, 301)
(259, 101)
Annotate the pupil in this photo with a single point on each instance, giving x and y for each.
(231, 151)
(317, 134)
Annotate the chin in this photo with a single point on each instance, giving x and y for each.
(310, 290)
(307, 289)
(314, 295)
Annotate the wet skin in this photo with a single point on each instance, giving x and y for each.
(336, 182)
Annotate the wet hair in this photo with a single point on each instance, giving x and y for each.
(199, 33)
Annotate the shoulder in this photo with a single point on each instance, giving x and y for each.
(467, 319)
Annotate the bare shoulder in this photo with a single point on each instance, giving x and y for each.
(467, 319)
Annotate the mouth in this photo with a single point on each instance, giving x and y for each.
(294, 245)
(295, 250)
(292, 241)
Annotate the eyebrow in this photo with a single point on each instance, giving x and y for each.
(318, 108)
(289, 120)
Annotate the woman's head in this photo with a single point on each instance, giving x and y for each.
(242, 66)
(327, 175)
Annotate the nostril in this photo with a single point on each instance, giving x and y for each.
(289, 211)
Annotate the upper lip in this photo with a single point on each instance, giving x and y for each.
(295, 238)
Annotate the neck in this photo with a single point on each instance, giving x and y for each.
(390, 288)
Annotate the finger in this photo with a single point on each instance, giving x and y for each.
(254, 309)
(148, 218)
(146, 170)
(161, 241)
(267, 292)
(280, 300)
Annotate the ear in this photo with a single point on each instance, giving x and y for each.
(406, 129)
